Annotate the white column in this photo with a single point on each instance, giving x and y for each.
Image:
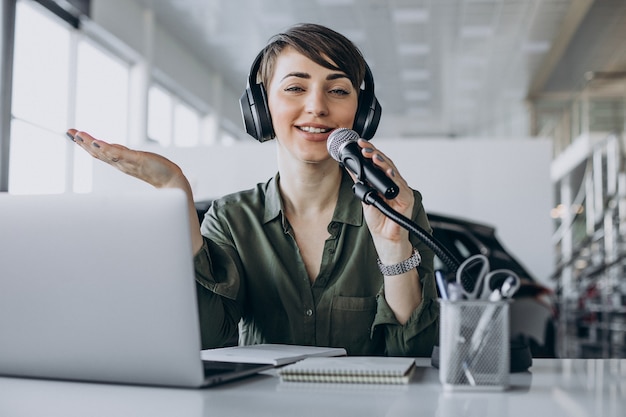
(140, 77)
(210, 124)
(7, 37)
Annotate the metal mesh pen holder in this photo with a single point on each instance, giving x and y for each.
(474, 345)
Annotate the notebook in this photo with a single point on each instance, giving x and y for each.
(351, 369)
(101, 288)
(274, 354)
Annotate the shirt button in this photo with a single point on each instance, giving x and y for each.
(331, 251)
(309, 312)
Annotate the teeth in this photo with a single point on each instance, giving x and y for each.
(313, 129)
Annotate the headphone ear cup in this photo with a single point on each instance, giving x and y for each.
(368, 114)
(246, 114)
(255, 113)
(368, 110)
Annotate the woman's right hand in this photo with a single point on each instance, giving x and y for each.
(152, 168)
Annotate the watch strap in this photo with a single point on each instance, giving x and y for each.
(401, 267)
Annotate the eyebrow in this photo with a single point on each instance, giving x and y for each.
(330, 77)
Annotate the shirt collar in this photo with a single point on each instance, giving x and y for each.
(273, 202)
(348, 208)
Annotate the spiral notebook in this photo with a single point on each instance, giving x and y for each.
(350, 369)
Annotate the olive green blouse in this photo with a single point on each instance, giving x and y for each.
(251, 279)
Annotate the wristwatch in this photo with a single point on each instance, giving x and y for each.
(401, 267)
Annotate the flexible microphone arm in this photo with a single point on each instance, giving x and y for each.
(369, 196)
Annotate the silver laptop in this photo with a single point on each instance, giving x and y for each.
(101, 288)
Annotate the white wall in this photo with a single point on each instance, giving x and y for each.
(502, 182)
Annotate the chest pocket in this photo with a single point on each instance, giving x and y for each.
(350, 324)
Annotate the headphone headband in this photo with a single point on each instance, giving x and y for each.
(258, 121)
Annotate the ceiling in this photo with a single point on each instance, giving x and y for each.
(441, 67)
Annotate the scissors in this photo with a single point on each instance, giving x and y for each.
(478, 283)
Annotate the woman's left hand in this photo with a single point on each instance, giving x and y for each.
(389, 237)
(403, 292)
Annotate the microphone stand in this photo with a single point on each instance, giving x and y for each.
(370, 196)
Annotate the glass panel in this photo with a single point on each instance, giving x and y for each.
(102, 94)
(39, 147)
(38, 159)
(40, 70)
(606, 115)
(159, 116)
(187, 126)
(102, 84)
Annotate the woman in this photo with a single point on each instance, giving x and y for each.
(299, 259)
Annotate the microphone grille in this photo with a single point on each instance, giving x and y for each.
(337, 139)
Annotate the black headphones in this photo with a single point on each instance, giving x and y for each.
(258, 121)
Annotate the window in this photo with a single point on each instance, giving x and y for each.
(60, 80)
(186, 125)
(102, 84)
(39, 103)
(170, 120)
(160, 116)
(63, 79)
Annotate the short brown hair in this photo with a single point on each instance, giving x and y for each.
(320, 44)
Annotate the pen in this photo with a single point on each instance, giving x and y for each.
(481, 334)
(455, 292)
(441, 284)
(482, 327)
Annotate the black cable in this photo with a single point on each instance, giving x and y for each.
(369, 196)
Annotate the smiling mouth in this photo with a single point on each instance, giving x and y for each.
(310, 129)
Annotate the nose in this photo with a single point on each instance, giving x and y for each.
(316, 103)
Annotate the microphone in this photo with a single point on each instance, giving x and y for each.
(343, 147)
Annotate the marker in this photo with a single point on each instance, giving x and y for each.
(509, 287)
(495, 295)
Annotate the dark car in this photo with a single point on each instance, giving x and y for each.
(533, 313)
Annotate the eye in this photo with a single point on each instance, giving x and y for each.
(294, 88)
(340, 92)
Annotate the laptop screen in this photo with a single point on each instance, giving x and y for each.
(99, 287)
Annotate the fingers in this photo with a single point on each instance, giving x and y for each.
(149, 167)
(380, 226)
(379, 159)
(115, 152)
(110, 153)
(405, 199)
(70, 133)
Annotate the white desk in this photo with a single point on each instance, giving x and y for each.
(553, 388)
